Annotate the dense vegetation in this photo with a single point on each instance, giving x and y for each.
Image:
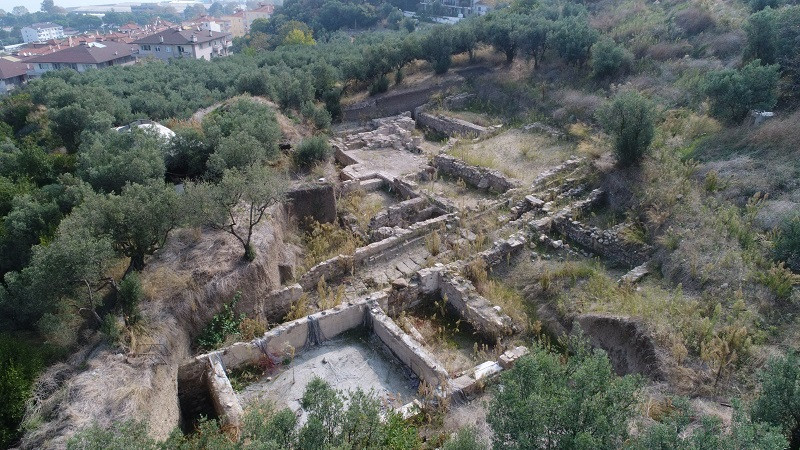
(547, 401)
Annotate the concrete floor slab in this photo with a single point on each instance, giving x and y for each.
(352, 360)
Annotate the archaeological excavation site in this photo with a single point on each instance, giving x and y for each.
(415, 311)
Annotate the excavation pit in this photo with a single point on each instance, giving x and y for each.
(355, 359)
(452, 340)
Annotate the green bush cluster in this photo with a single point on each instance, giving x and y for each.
(787, 243)
(350, 420)
(311, 151)
(629, 118)
(222, 326)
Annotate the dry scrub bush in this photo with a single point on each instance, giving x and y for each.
(694, 20)
(326, 240)
(252, 328)
(327, 297)
(664, 51)
(778, 134)
(299, 309)
(727, 45)
(508, 299)
(163, 283)
(576, 105)
(433, 243)
(361, 206)
(477, 272)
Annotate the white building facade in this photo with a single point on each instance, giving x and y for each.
(40, 32)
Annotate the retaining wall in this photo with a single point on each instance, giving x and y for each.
(487, 319)
(606, 243)
(479, 177)
(408, 350)
(449, 126)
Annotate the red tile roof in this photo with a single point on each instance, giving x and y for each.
(172, 36)
(92, 53)
(11, 69)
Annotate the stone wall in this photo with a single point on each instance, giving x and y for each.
(204, 377)
(316, 202)
(449, 126)
(606, 243)
(487, 319)
(404, 214)
(479, 177)
(408, 350)
(340, 265)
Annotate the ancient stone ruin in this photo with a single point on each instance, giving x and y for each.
(441, 216)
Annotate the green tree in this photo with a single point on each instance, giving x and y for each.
(72, 266)
(138, 220)
(241, 133)
(437, 47)
(629, 118)
(572, 38)
(109, 160)
(188, 152)
(609, 59)
(547, 402)
(735, 92)
(237, 203)
(499, 31)
(532, 36)
(779, 400)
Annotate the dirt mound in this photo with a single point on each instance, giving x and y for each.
(628, 344)
(186, 283)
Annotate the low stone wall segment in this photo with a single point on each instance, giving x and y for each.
(478, 177)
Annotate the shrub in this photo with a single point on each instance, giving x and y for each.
(779, 401)
(381, 84)
(225, 323)
(787, 243)
(311, 151)
(670, 431)
(609, 59)
(694, 21)
(128, 296)
(465, 439)
(20, 363)
(574, 402)
(629, 119)
(735, 92)
(129, 435)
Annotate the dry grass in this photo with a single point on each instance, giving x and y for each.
(163, 282)
(518, 154)
(324, 241)
(361, 205)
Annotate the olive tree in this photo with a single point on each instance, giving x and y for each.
(629, 118)
(137, 221)
(735, 92)
(238, 202)
(548, 402)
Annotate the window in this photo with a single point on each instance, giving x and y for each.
(42, 66)
(180, 49)
(168, 49)
(158, 49)
(146, 48)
